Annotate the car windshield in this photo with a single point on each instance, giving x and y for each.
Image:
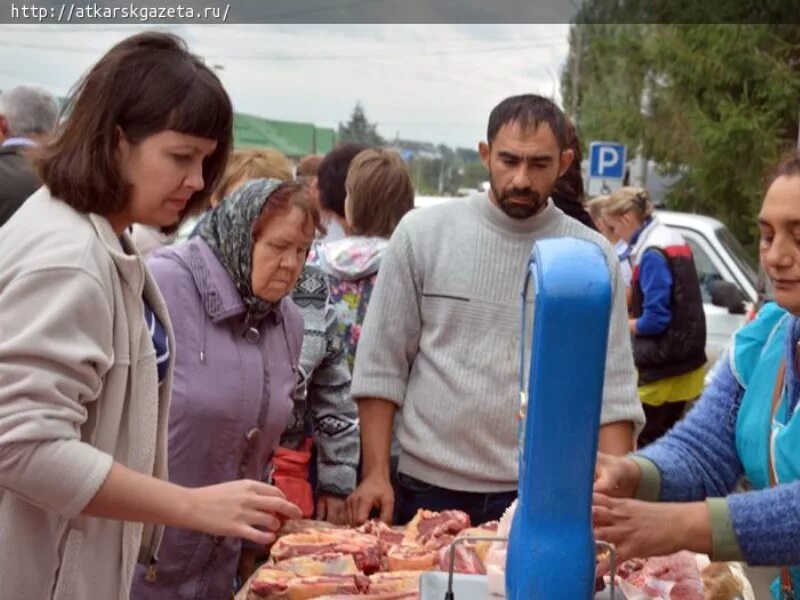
(746, 263)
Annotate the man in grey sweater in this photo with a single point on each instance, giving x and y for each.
(440, 341)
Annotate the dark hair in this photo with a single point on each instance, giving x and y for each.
(788, 167)
(527, 110)
(285, 197)
(570, 184)
(145, 84)
(332, 174)
(381, 192)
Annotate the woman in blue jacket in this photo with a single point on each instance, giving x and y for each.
(745, 424)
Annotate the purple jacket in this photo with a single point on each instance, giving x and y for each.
(230, 403)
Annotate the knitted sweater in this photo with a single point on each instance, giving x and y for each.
(441, 340)
(322, 401)
(698, 460)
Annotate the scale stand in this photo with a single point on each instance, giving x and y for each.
(450, 595)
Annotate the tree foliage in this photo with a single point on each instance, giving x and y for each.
(724, 105)
(359, 130)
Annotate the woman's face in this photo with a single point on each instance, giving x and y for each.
(164, 171)
(623, 225)
(279, 253)
(779, 246)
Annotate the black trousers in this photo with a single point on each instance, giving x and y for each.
(660, 419)
(412, 494)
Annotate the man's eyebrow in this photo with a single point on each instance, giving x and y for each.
(532, 157)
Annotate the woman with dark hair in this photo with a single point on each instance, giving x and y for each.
(239, 336)
(745, 424)
(86, 345)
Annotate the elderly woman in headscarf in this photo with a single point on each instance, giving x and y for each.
(238, 338)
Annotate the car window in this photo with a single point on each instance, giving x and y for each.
(706, 271)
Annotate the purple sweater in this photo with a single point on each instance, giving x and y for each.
(230, 403)
(698, 460)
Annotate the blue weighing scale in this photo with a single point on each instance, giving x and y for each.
(551, 547)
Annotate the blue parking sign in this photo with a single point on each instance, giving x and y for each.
(607, 160)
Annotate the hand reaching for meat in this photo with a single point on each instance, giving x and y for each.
(332, 509)
(245, 509)
(616, 476)
(643, 529)
(374, 492)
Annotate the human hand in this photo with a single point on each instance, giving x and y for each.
(616, 476)
(374, 492)
(239, 509)
(332, 509)
(641, 529)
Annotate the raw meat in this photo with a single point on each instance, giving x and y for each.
(428, 525)
(466, 560)
(399, 581)
(319, 564)
(268, 582)
(389, 536)
(411, 558)
(366, 550)
(481, 547)
(673, 577)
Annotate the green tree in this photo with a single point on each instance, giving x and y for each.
(723, 105)
(359, 130)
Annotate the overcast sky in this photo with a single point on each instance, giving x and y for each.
(432, 83)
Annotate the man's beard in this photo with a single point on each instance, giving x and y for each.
(528, 201)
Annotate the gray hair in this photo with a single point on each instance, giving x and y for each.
(29, 110)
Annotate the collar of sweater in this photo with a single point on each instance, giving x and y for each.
(496, 218)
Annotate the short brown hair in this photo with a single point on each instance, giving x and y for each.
(788, 167)
(254, 164)
(145, 84)
(309, 165)
(287, 196)
(380, 190)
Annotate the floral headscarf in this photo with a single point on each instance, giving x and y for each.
(228, 230)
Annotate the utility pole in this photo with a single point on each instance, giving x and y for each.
(646, 109)
(577, 54)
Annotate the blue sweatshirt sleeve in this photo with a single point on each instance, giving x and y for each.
(655, 280)
(766, 523)
(698, 458)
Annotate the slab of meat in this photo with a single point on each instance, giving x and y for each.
(411, 558)
(389, 536)
(399, 581)
(319, 564)
(366, 550)
(269, 583)
(304, 588)
(481, 547)
(427, 525)
(673, 577)
(466, 560)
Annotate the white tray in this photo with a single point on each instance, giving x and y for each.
(433, 586)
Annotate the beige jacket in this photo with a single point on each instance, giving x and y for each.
(78, 390)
